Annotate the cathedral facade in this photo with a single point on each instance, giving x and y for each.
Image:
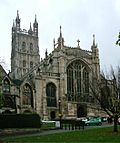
(59, 84)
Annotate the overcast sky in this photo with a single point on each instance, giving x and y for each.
(80, 19)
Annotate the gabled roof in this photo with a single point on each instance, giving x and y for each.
(2, 73)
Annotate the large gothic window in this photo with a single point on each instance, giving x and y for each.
(27, 98)
(51, 95)
(8, 100)
(77, 82)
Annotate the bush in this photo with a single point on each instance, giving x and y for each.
(20, 121)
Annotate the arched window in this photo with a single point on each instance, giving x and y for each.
(31, 47)
(23, 46)
(6, 85)
(51, 95)
(86, 84)
(27, 98)
(31, 64)
(77, 82)
(24, 63)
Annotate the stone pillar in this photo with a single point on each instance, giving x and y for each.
(45, 115)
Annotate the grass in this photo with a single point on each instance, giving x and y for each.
(88, 135)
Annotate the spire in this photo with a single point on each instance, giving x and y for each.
(13, 23)
(93, 39)
(35, 22)
(35, 18)
(35, 27)
(46, 53)
(17, 14)
(60, 39)
(13, 27)
(18, 21)
(95, 51)
(60, 32)
(30, 30)
(94, 45)
(54, 43)
(17, 18)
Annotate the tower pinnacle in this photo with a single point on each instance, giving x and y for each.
(30, 30)
(18, 21)
(60, 39)
(93, 39)
(94, 45)
(35, 27)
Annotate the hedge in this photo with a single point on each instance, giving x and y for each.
(20, 121)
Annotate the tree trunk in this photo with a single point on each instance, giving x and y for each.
(115, 123)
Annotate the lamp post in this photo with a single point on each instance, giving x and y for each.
(60, 115)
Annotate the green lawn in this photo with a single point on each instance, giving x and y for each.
(87, 135)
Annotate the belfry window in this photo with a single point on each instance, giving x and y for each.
(77, 82)
(23, 46)
(27, 98)
(51, 95)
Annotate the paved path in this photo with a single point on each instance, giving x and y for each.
(37, 132)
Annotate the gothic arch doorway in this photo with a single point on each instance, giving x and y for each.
(52, 114)
(81, 110)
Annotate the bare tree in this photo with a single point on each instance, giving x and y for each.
(118, 41)
(107, 93)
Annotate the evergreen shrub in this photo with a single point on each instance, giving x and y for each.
(20, 121)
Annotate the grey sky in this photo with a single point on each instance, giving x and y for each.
(80, 19)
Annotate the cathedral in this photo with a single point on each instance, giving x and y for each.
(58, 85)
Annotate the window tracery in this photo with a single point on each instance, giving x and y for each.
(77, 82)
(51, 95)
(27, 98)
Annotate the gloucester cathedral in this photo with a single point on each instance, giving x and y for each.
(57, 85)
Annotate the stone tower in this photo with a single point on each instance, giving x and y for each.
(25, 48)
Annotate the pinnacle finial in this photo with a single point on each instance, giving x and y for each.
(54, 43)
(17, 15)
(93, 39)
(18, 21)
(35, 18)
(78, 42)
(60, 28)
(60, 39)
(30, 29)
(30, 26)
(17, 12)
(60, 31)
(46, 53)
(13, 23)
